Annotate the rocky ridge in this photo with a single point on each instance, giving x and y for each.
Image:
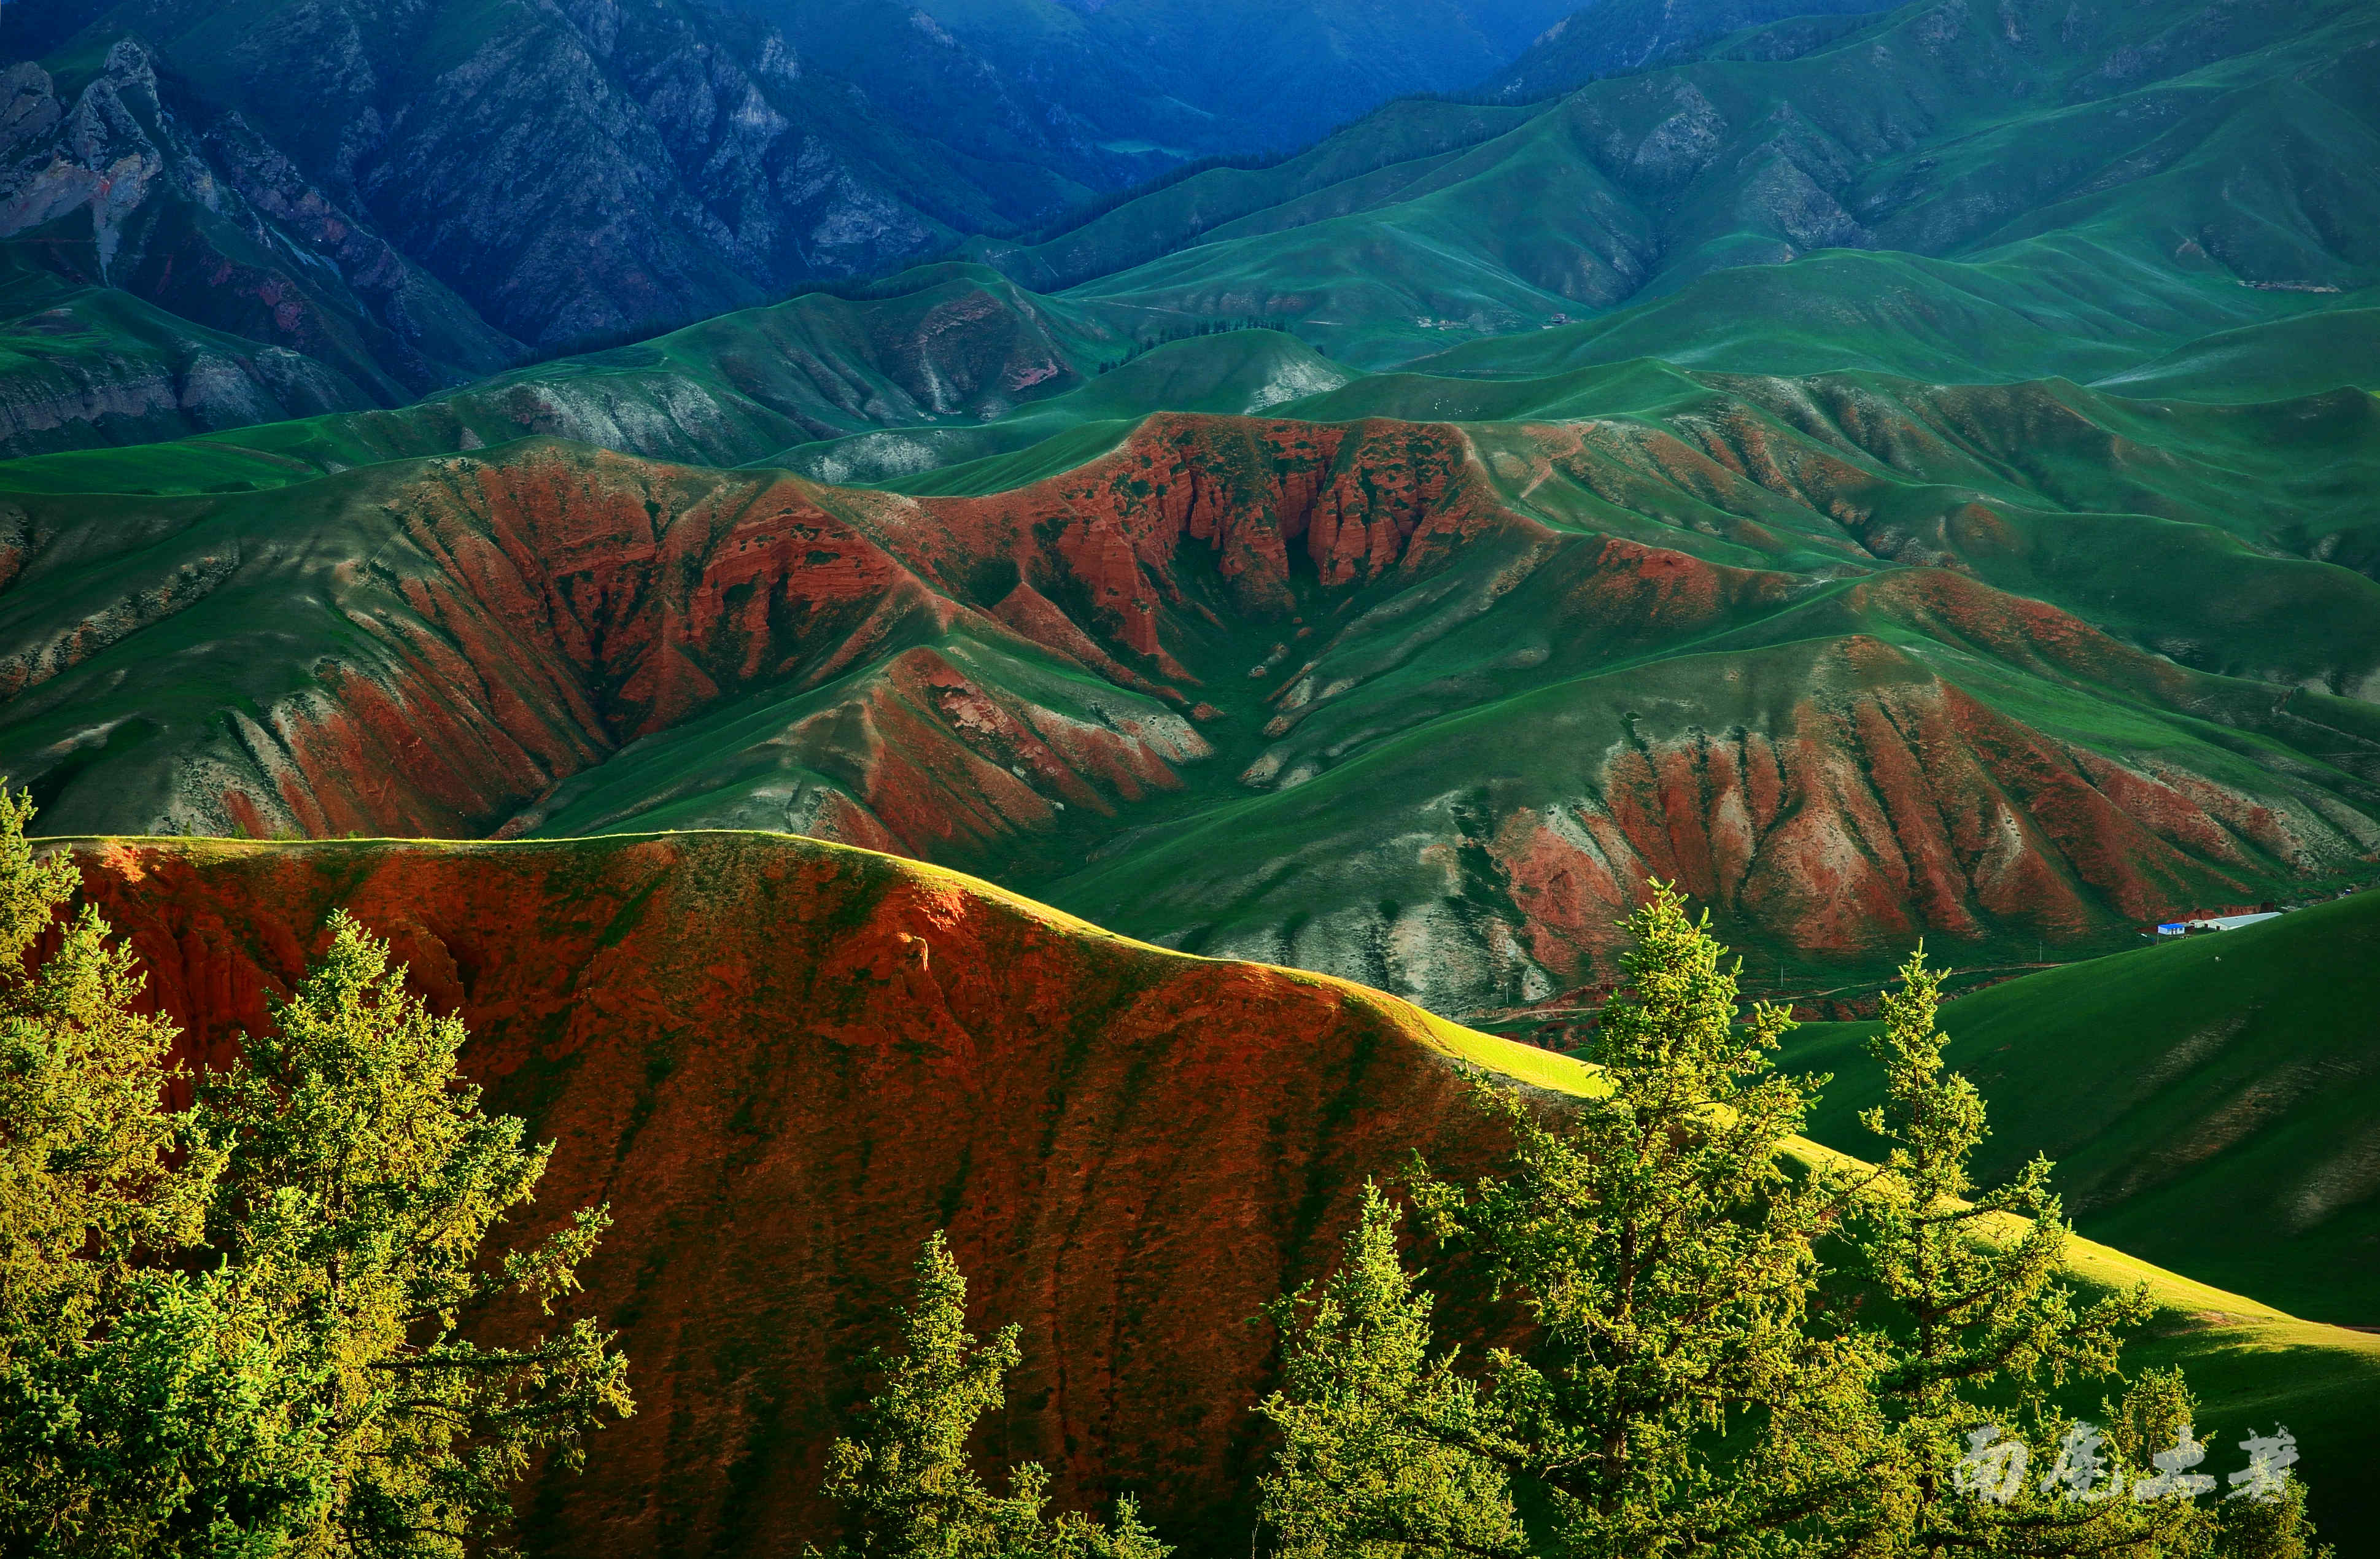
(1249, 667)
(130, 185)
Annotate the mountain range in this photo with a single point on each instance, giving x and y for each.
(511, 180)
(1897, 473)
(1856, 609)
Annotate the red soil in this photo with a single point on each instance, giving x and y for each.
(1896, 806)
(782, 1063)
(507, 623)
(534, 611)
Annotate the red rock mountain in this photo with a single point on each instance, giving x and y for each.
(782, 1063)
(1420, 704)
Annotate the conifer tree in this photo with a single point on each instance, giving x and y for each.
(359, 1182)
(1384, 1449)
(1981, 1327)
(1670, 1397)
(2277, 1528)
(905, 1479)
(234, 1331)
(143, 1410)
(89, 1177)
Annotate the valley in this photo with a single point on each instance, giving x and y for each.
(1851, 658)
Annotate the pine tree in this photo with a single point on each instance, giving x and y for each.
(1384, 1449)
(1980, 1328)
(1670, 1397)
(905, 1479)
(143, 1409)
(88, 1180)
(236, 1330)
(360, 1180)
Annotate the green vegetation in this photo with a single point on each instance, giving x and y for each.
(99, 1352)
(2299, 356)
(2209, 1100)
(1973, 1279)
(1692, 1378)
(1666, 1265)
(904, 1479)
(239, 1328)
(1899, 474)
(957, 343)
(1227, 373)
(95, 367)
(1666, 210)
(1844, 520)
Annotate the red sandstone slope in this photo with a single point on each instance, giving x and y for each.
(782, 1063)
(426, 648)
(1193, 625)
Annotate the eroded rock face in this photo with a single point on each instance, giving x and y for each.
(781, 1064)
(403, 194)
(1453, 735)
(579, 170)
(134, 185)
(507, 623)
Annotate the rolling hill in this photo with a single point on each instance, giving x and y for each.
(1895, 474)
(781, 1062)
(93, 366)
(2209, 1101)
(1830, 588)
(2171, 200)
(2157, 174)
(1851, 658)
(504, 179)
(951, 344)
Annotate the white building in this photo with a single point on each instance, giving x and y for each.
(2213, 923)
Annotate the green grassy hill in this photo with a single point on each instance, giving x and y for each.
(1853, 658)
(83, 366)
(1906, 476)
(2211, 1101)
(1870, 592)
(1230, 374)
(949, 344)
(2134, 187)
(2338, 344)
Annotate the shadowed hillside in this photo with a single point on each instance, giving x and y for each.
(2097, 186)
